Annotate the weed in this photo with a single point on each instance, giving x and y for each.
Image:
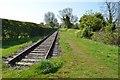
(48, 67)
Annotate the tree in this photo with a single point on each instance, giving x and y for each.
(94, 21)
(110, 11)
(67, 17)
(118, 16)
(90, 23)
(50, 19)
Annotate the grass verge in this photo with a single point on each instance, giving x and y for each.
(11, 46)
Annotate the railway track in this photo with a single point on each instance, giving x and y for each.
(37, 52)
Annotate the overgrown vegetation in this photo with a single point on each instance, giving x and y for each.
(41, 69)
(107, 37)
(93, 26)
(17, 29)
(48, 67)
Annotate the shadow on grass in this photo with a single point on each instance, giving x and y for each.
(12, 42)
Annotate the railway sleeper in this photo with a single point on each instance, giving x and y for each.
(24, 63)
(30, 60)
(34, 57)
(42, 46)
(38, 51)
(54, 54)
(38, 54)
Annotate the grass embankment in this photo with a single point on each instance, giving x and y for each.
(80, 58)
(10, 46)
(90, 58)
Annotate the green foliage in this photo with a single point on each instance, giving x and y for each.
(110, 27)
(90, 23)
(86, 32)
(67, 22)
(63, 29)
(16, 29)
(76, 26)
(94, 23)
(50, 19)
(48, 67)
(52, 24)
(78, 33)
(99, 15)
(107, 37)
(67, 17)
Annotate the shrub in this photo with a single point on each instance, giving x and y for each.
(78, 33)
(107, 37)
(109, 27)
(91, 21)
(48, 67)
(86, 32)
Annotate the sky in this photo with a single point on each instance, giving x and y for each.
(34, 10)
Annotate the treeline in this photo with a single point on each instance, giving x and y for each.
(17, 29)
(102, 27)
(93, 26)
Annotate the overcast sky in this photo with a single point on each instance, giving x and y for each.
(34, 10)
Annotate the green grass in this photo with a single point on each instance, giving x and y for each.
(11, 46)
(97, 57)
(80, 58)
(107, 54)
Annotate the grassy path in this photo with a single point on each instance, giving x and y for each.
(84, 61)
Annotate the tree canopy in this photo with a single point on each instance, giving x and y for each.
(67, 17)
(90, 23)
(50, 19)
(110, 10)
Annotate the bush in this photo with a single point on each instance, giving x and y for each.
(109, 27)
(86, 32)
(78, 33)
(91, 21)
(48, 67)
(107, 37)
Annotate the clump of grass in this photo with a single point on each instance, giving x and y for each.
(48, 67)
(63, 29)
